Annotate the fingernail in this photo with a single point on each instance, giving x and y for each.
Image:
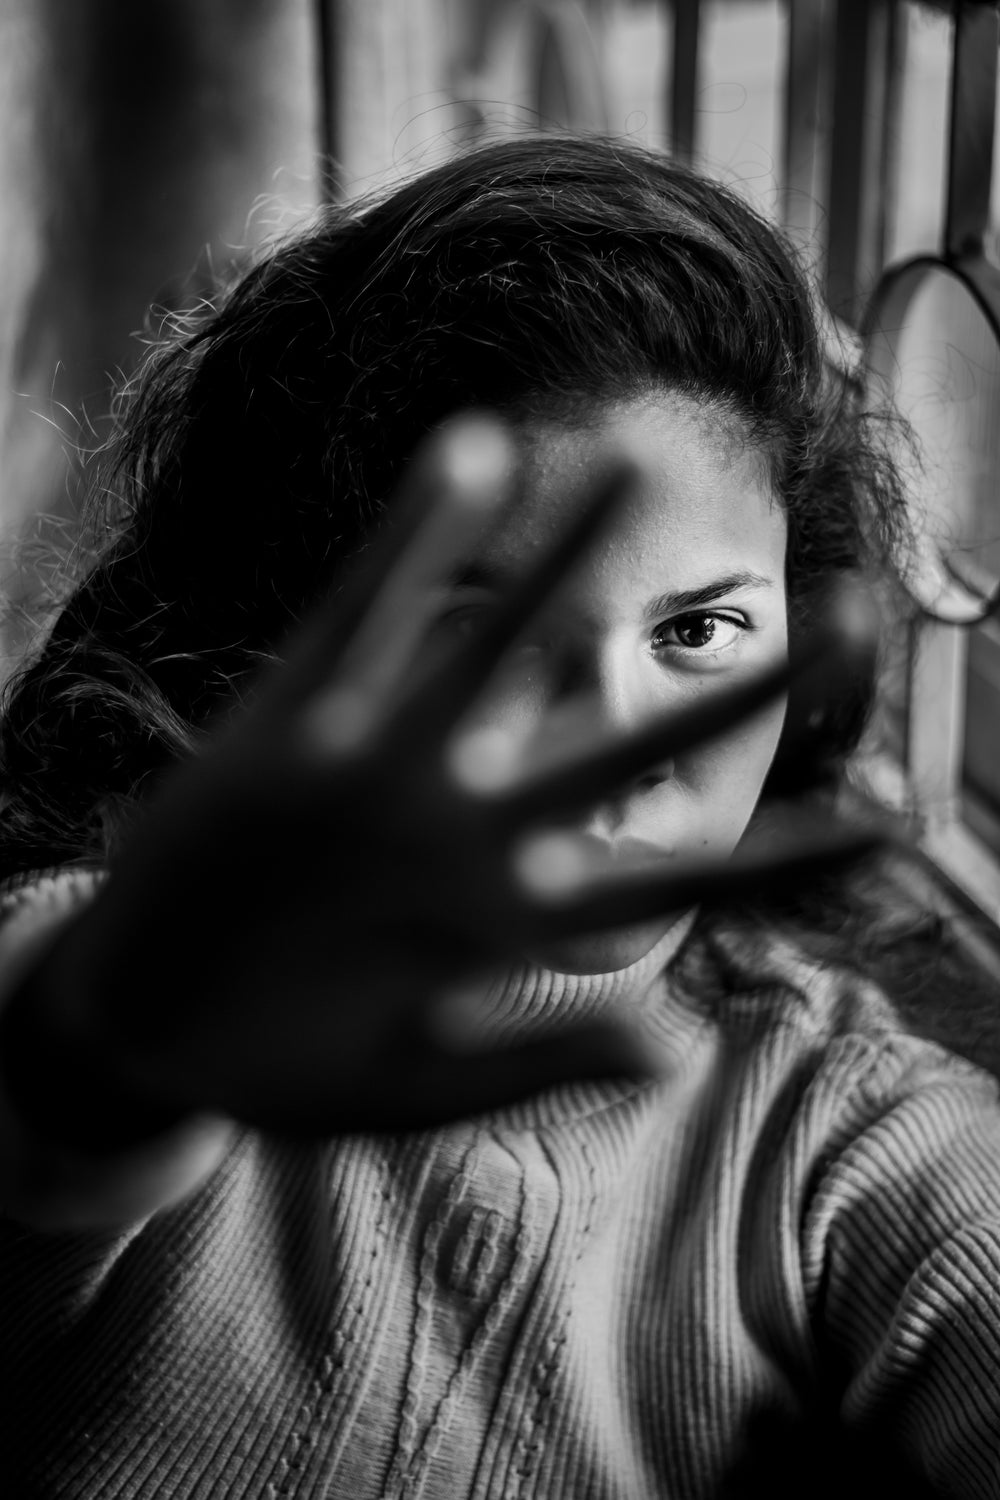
(485, 760)
(477, 458)
(550, 865)
(339, 721)
(852, 615)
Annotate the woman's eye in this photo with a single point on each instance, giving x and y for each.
(459, 621)
(698, 632)
(462, 619)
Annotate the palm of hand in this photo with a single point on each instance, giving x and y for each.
(322, 879)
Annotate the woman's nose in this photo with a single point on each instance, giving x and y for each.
(609, 693)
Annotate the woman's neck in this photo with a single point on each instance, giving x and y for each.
(530, 998)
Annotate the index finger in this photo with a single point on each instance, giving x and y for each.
(358, 647)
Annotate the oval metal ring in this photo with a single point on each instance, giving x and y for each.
(956, 589)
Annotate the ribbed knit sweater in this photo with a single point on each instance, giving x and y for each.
(588, 1297)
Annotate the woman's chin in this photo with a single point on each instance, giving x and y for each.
(602, 952)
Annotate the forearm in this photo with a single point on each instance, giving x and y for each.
(81, 1143)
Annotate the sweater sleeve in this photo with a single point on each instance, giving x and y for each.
(54, 1185)
(902, 1259)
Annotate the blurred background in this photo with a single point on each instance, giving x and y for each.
(147, 148)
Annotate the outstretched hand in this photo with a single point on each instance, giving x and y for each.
(283, 935)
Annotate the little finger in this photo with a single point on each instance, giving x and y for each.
(352, 663)
(568, 901)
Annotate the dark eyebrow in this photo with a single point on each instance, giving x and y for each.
(486, 576)
(676, 603)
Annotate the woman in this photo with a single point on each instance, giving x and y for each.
(443, 865)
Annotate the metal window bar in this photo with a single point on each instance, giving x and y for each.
(326, 16)
(807, 109)
(683, 80)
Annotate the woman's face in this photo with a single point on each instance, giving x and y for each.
(684, 596)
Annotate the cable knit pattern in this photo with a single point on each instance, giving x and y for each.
(591, 1296)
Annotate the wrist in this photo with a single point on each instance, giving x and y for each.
(60, 1070)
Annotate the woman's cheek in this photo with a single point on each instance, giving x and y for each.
(725, 780)
(514, 704)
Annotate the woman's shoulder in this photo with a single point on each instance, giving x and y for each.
(748, 977)
(770, 988)
(849, 1097)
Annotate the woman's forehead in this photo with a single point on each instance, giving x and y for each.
(702, 490)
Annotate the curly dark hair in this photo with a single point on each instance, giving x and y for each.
(261, 443)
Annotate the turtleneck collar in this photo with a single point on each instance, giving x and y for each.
(530, 999)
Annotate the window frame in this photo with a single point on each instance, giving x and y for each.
(927, 784)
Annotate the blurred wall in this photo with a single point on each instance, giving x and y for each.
(136, 138)
(144, 142)
(414, 78)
